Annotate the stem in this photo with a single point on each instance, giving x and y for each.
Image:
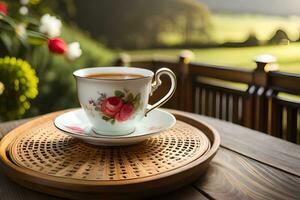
(37, 34)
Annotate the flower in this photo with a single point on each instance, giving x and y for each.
(125, 113)
(77, 129)
(23, 10)
(117, 108)
(74, 50)
(3, 8)
(57, 45)
(20, 30)
(1, 88)
(50, 25)
(111, 106)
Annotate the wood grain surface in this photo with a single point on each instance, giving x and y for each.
(185, 193)
(231, 176)
(273, 151)
(8, 126)
(249, 165)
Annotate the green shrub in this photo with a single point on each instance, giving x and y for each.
(57, 88)
(19, 86)
(21, 37)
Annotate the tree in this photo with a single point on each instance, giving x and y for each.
(140, 23)
(280, 36)
(251, 40)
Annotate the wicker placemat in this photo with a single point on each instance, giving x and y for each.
(49, 151)
(40, 157)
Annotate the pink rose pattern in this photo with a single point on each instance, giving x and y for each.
(119, 107)
(75, 128)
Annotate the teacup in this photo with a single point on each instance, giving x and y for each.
(115, 99)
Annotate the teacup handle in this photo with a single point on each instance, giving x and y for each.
(157, 82)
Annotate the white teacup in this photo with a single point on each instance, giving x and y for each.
(115, 104)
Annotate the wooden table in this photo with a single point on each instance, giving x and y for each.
(249, 165)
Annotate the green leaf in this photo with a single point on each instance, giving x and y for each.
(137, 97)
(35, 34)
(24, 42)
(36, 41)
(97, 109)
(33, 21)
(136, 105)
(6, 41)
(129, 98)
(113, 121)
(8, 20)
(136, 101)
(106, 118)
(5, 27)
(119, 93)
(126, 90)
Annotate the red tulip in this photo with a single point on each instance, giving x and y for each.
(3, 8)
(57, 45)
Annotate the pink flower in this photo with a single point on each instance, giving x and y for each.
(3, 8)
(57, 45)
(75, 128)
(111, 106)
(125, 113)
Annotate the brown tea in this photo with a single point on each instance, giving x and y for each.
(114, 76)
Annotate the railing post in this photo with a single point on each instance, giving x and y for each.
(248, 107)
(185, 82)
(265, 63)
(123, 60)
(274, 115)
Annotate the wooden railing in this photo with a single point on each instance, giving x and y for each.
(246, 97)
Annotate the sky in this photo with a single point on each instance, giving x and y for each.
(269, 7)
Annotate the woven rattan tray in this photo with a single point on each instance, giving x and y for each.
(40, 157)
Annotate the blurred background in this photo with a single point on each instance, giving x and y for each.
(43, 41)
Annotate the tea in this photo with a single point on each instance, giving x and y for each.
(114, 76)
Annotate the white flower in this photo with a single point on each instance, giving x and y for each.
(23, 10)
(50, 25)
(74, 50)
(21, 30)
(24, 2)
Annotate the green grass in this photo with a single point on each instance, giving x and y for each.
(236, 28)
(288, 56)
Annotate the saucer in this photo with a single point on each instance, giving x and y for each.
(76, 124)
